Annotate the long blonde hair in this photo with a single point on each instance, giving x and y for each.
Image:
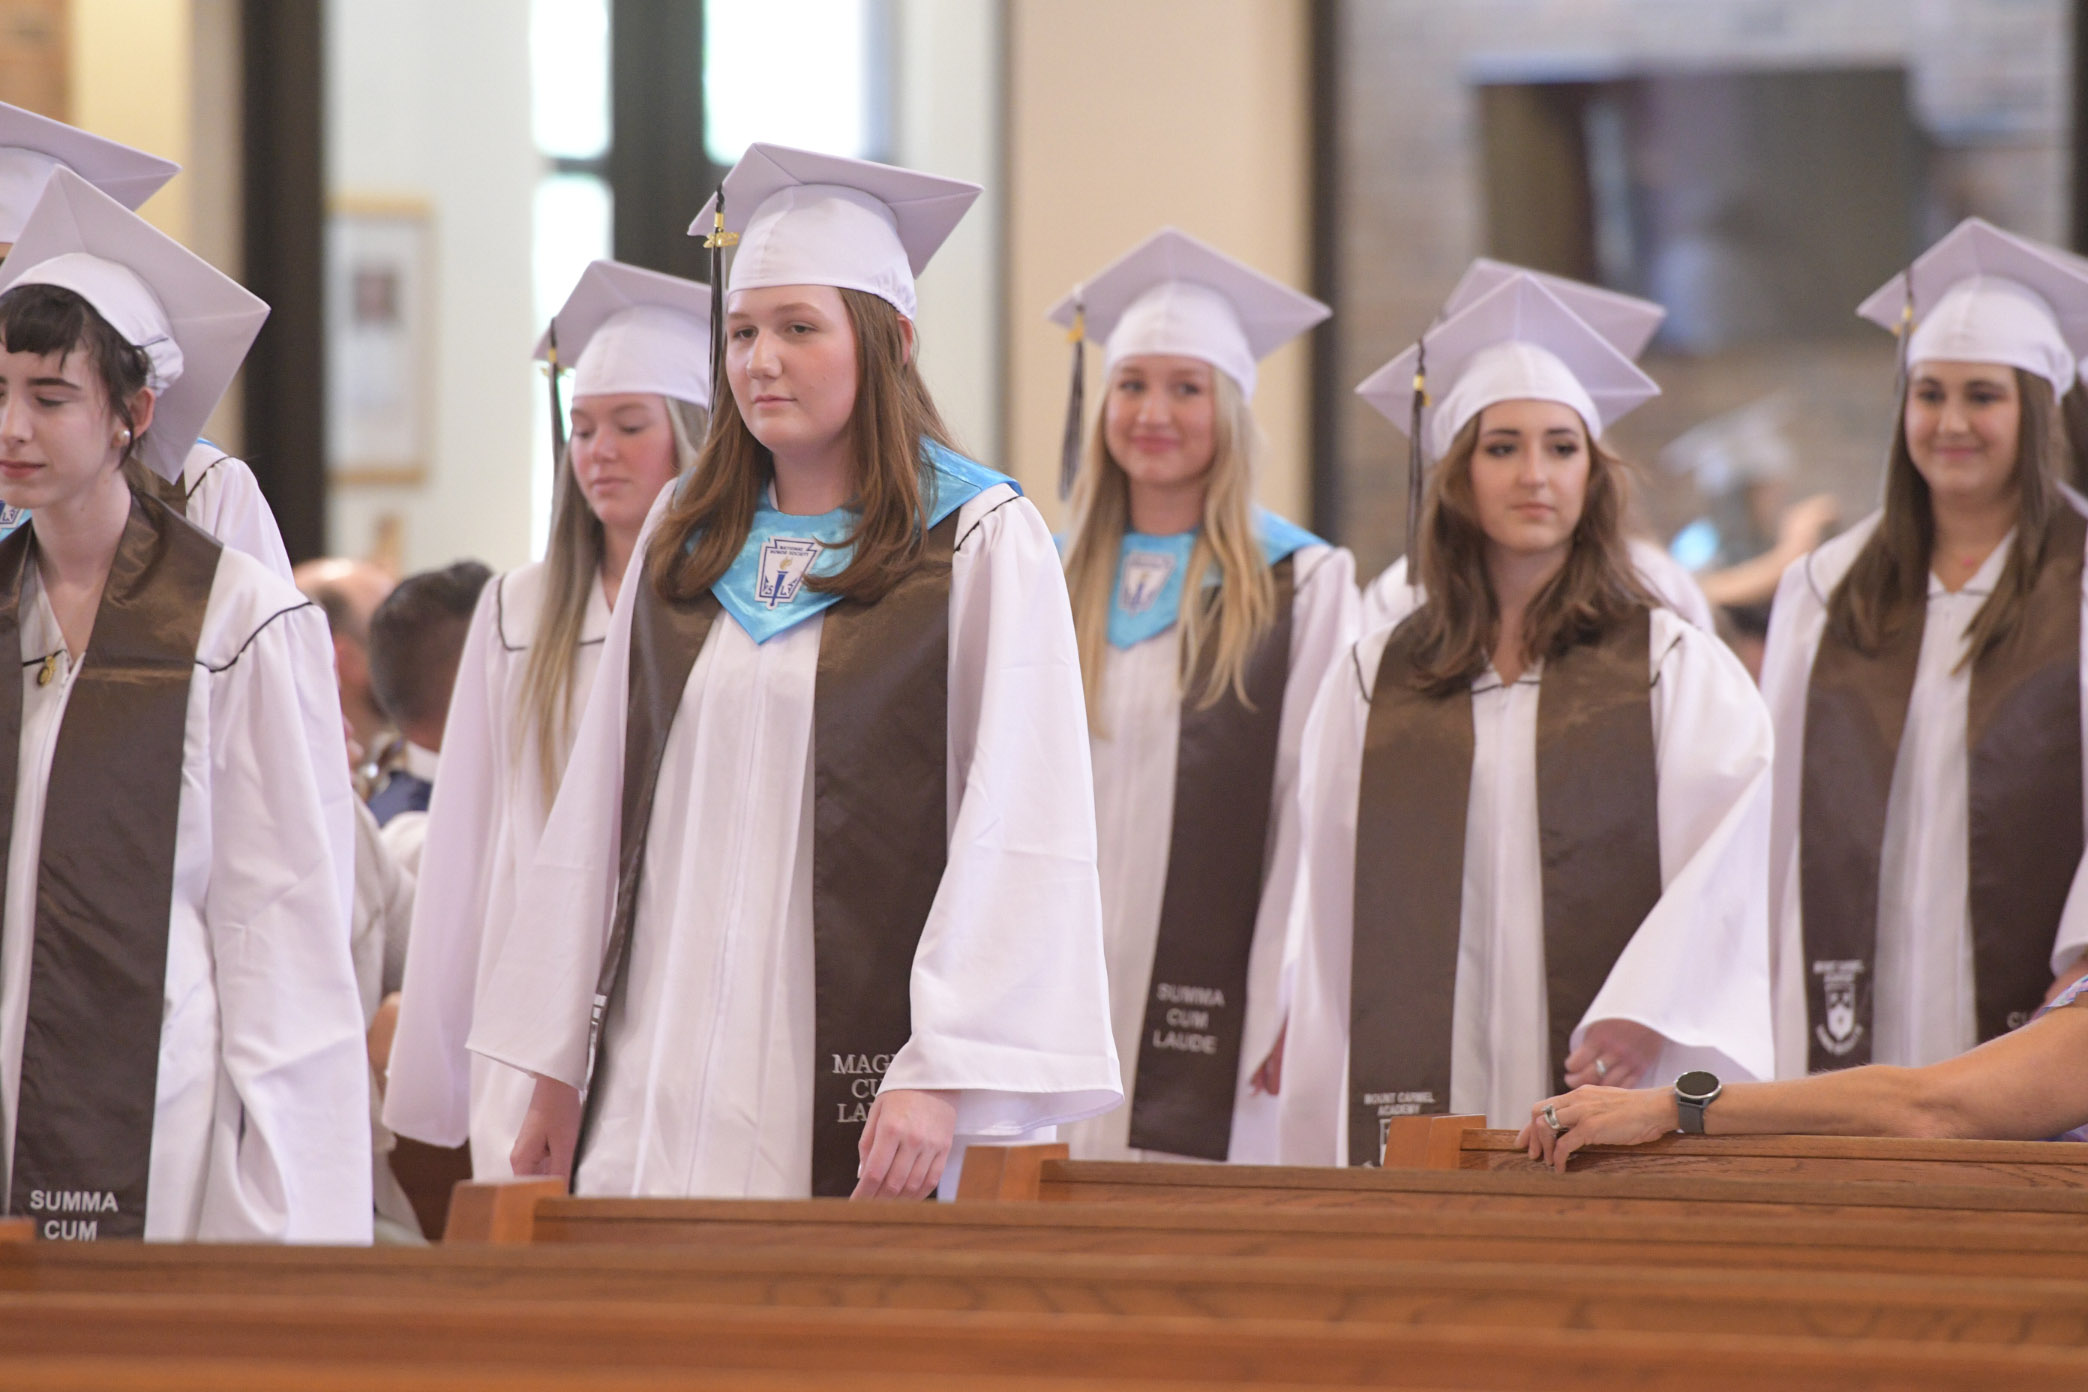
(1245, 605)
(572, 564)
(707, 523)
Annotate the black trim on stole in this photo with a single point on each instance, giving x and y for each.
(1217, 856)
(1599, 834)
(105, 878)
(880, 826)
(2025, 835)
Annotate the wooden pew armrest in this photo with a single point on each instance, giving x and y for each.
(498, 1210)
(1006, 1172)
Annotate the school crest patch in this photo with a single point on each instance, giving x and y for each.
(1838, 1031)
(784, 561)
(1144, 578)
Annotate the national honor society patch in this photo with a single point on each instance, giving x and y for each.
(784, 561)
(1145, 576)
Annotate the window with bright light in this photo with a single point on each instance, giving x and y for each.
(805, 73)
(574, 215)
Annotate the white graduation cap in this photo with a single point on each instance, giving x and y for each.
(31, 146)
(1173, 294)
(808, 219)
(1517, 342)
(1627, 321)
(194, 323)
(627, 329)
(1985, 295)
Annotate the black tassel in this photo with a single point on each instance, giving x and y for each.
(715, 243)
(1905, 334)
(1416, 463)
(558, 428)
(1076, 404)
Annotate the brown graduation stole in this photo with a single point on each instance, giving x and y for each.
(880, 834)
(2023, 744)
(1598, 818)
(105, 878)
(1196, 1009)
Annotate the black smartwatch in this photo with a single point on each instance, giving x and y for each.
(1695, 1091)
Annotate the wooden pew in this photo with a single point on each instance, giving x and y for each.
(608, 1337)
(1957, 1309)
(1043, 1173)
(1465, 1143)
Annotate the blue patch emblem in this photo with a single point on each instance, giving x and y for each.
(783, 566)
(11, 517)
(764, 588)
(1152, 570)
(1145, 575)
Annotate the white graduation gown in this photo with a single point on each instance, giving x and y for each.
(1922, 995)
(1697, 969)
(262, 1128)
(225, 501)
(1387, 598)
(708, 1081)
(1134, 812)
(483, 826)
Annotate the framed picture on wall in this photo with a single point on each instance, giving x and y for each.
(379, 378)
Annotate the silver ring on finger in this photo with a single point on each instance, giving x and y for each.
(1551, 1119)
(1601, 1069)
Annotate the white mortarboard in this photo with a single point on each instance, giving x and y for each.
(627, 329)
(1517, 342)
(807, 219)
(1985, 295)
(31, 146)
(194, 322)
(1627, 321)
(1172, 294)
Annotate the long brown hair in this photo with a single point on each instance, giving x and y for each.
(1888, 582)
(1595, 590)
(1244, 606)
(572, 563)
(707, 523)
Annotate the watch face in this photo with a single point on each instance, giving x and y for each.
(1697, 1086)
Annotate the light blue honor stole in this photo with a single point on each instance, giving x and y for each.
(1150, 569)
(10, 518)
(764, 589)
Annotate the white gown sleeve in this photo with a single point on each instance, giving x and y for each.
(224, 499)
(1671, 583)
(539, 996)
(1697, 969)
(1010, 994)
(1321, 921)
(1324, 615)
(296, 1165)
(428, 1094)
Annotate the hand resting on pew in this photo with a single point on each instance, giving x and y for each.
(906, 1141)
(2024, 1086)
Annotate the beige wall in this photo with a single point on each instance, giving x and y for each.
(1113, 131)
(163, 75)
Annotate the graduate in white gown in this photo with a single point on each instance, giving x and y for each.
(1537, 807)
(1628, 323)
(859, 920)
(1195, 709)
(640, 346)
(193, 1067)
(1925, 670)
(218, 490)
